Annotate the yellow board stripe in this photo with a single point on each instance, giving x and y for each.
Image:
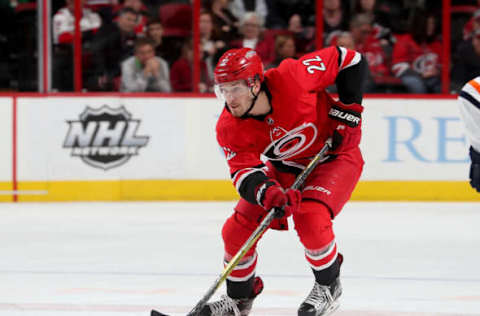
(415, 191)
(5, 188)
(223, 190)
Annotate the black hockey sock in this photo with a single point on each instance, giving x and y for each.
(328, 275)
(241, 289)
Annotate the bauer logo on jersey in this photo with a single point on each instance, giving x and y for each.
(104, 138)
(292, 142)
(317, 188)
(350, 118)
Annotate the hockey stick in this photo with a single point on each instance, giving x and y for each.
(255, 235)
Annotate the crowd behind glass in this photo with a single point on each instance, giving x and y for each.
(147, 46)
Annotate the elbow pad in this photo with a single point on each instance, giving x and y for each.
(349, 89)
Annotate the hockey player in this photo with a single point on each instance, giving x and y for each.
(469, 99)
(286, 115)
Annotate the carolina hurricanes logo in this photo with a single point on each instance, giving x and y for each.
(425, 62)
(292, 142)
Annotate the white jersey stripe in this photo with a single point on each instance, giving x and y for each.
(356, 59)
(246, 264)
(245, 278)
(343, 54)
(242, 174)
(326, 265)
(323, 254)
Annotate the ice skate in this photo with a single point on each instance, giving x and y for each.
(228, 306)
(323, 300)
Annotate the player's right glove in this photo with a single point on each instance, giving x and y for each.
(345, 120)
(475, 169)
(271, 195)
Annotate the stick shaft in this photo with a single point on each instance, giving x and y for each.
(262, 227)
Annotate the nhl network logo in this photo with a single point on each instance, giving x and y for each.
(104, 138)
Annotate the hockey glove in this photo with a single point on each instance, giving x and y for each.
(271, 195)
(345, 122)
(475, 169)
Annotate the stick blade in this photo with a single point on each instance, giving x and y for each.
(155, 313)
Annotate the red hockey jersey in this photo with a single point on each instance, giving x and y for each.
(298, 125)
(408, 54)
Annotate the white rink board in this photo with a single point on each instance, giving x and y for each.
(414, 139)
(175, 149)
(6, 138)
(404, 139)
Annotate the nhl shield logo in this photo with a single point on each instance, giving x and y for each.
(104, 138)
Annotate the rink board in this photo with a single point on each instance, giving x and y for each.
(6, 143)
(164, 148)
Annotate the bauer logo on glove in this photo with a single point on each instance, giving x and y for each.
(350, 118)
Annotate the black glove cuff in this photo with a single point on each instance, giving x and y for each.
(262, 189)
(337, 139)
(474, 156)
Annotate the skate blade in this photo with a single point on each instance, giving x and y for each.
(155, 313)
(333, 308)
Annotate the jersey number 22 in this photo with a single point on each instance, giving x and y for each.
(311, 68)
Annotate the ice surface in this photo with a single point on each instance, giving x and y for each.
(74, 259)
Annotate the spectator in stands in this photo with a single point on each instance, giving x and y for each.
(181, 76)
(379, 15)
(335, 20)
(142, 14)
(103, 7)
(284, 48)
(240, 7)
(466, 61)
(154, 31)
(224, 22)
(212, 47)
(145, 72)
(471, 25)
(304, 36)
(417, 56)
(345, 39)
(251, 28)
(370, 46)
(64, 23)
(280, 11)
(113, 43)
(63, 33)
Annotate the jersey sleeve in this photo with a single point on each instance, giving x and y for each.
(62, 31)
(469, 102)
(247, 171)
(401, 56)
(317, 70)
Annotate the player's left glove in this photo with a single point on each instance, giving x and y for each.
(475, 169)
(272, 195)
(345, 120)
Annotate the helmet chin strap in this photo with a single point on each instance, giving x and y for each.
(255, 96)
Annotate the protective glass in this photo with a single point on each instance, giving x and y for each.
(231, 90)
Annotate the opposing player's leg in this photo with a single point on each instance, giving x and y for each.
(242, 284)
